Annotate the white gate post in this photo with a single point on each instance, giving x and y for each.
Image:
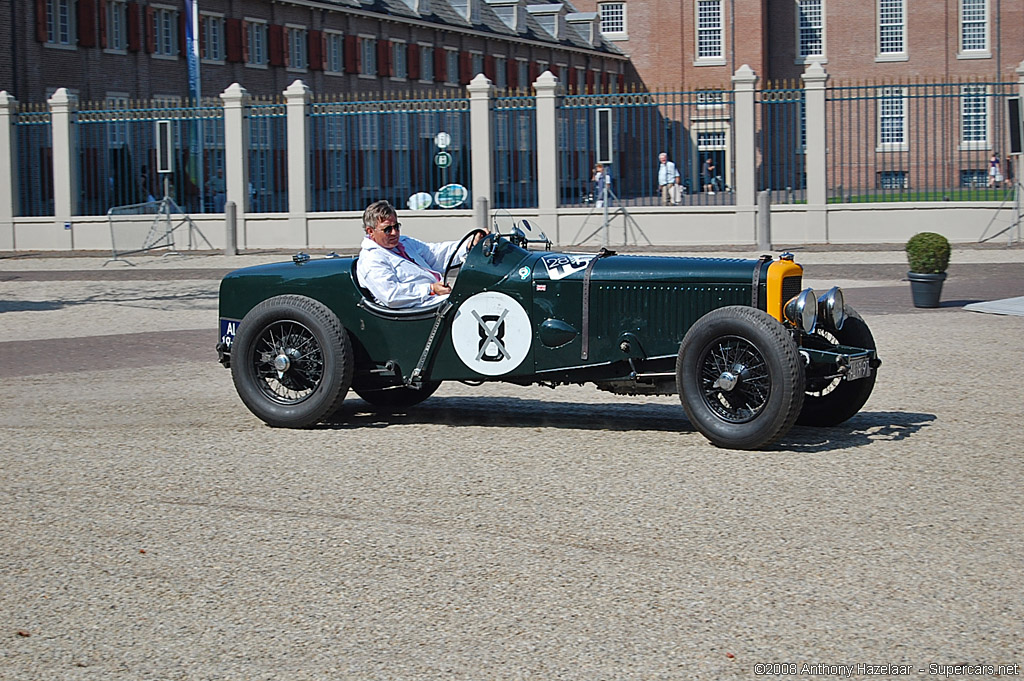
(236, 101)
(745, 183)
(814, 103)
(481, 99)
(8, 168)
(549, 93)
(297, 97)
(63, 106)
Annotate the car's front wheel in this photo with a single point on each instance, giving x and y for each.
(291, 361)
(740, 378)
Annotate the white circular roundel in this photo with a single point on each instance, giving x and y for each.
(491, 333)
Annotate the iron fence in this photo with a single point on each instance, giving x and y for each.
(404, 151)
(35, 161)
(691, 127)
(514, 151)
(917, 141)
(781, 142)
(268, 156)
(118, 164)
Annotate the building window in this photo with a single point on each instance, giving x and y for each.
(117, 25)
(710, 98)
(297, 49)
(892, 179)
(368, 56)
(452, 66)
(165, 32)
(476, 63)
(60, 29)
(256, 33)
(500, 73)
(974, 178)
(211, 47)
(334, 44)
(463, 7)
(891, 27)
(117, 131)
(613, 17)
(811, 29)
(709, 29)
(974, 26)
(523, 73)
(399, 60)
(973, 117)
(892, 119)
(426, 63)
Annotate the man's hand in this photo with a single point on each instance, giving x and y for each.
(439, 289)
(480, 234)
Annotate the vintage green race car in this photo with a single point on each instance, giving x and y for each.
(748, 352)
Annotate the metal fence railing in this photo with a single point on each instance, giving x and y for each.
(402, 151)
(268, 157)
(691, 127)
(916, 141)
(35, 161)
(781, 155)
(117, 156)
(514, 150)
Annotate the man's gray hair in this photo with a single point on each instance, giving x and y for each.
(377, 211)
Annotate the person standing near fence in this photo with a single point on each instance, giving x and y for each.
(668, 176)
(708, 173)
(602, 181)
(995, 171)
(217, 188)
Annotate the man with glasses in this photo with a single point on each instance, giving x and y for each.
(398, 270)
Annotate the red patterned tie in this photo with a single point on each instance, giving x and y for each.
(400, 249)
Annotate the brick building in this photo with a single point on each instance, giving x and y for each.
(135, 49)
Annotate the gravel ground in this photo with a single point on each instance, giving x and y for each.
(151, 528)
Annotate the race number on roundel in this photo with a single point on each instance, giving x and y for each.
(491, 333)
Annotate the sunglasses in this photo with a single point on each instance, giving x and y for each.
(391, 228)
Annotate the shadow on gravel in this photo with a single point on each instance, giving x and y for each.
(864, 428)
(29, 305)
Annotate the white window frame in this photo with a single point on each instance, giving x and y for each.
(211, 51)
(890, 96)
(712, 14)
(427, 74)
(165, 32)
(975, 106)
(367, 56)
(892, 28)
(613, 26)
(61, 24)
(256, 31)
(297, 47)
(334, 53)
(806, 56)
(117, 26)
(399, 60)
(983, 23)
(117, 131)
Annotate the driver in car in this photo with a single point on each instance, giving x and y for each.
(401, 271)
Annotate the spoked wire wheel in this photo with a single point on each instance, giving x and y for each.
(735, 382)
(288, 362)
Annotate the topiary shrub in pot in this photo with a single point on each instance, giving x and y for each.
(928, 255)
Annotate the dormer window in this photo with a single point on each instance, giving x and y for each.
(585, 24)
(549, 17)
(506, 10)
(464, 8)
(419, 6)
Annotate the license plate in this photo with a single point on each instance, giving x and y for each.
(860, 367)
(228, 328)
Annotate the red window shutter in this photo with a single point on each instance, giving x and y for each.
(605, 80)
(465, 68)
(413, 61)
(351, 54)
(512, 73)
(86, 15)
(233, 40)
(553, 68)
(590, 81)
(41, 34)
(245, 41)
(440, 64)
(534, 72)
(150, 31)
(384, 57)
(101, 18)
(133, 27)
(622, 82)
(182, 47)
(489, 67)
(315, 48)
(275, 45)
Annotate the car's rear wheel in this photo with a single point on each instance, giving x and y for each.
(291, 361)
(740, 378)
(830, 402)
(399, 397)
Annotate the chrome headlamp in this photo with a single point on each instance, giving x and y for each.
(831, 308)
(802, 311)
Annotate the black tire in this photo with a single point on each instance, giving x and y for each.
(291, 361)
(740, 378)
(399, 397)
(831, 403)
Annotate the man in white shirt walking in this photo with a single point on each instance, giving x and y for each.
(398, 270)
(668, 176)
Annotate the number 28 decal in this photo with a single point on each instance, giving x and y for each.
(491, 333)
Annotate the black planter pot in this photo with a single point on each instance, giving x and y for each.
(926, 289)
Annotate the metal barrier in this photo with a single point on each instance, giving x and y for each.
(916, 141)
(781, 162)
(268, 157)
(514, 150)
(400, 150)
(690, 127)
(35, 161)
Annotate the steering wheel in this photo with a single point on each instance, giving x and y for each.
(451, 259)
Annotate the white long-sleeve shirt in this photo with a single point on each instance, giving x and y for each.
(395, 281)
